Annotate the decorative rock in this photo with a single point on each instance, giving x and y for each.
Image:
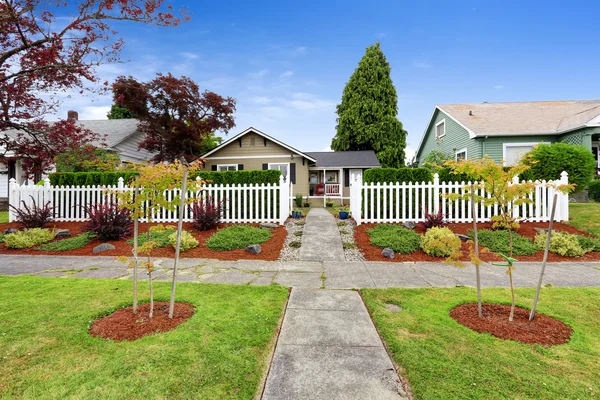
(409, 224)
(103, 247)
(393, 307)
(8, 231)
(62, 233)
(464, 238)
(269, 225)
(253, 248)
(388, 253)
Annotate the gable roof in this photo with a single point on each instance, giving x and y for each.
(254, 130)
(347, 159)
(116, 130)
(523, 118)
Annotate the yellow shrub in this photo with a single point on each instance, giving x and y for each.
(440, 242)
(187, 240)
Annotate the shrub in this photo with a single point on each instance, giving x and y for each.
(29, 238)
(298, 233)
(561, 243)
(435, 160)
(188, 241)
(498, 242)
(434, 220)
(440, 242)
(109, 221)
(300, 223)
(588, 243)
(240, 177)
(547, 161)
(237, 237)
(594, 190)
(446, 175)
(298, 200)
(90, 178)
(34, 216)
(397, 175)
(159, 234)
(207, 213)
(1, 238)
(72, 243)
(295, 244)
(329, 204)
(396, 237)
(341, 223)
(348, 245)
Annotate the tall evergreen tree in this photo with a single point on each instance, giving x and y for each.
(367, 115)
(119, 112)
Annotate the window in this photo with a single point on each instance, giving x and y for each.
(440, 129)
(460, 155)
(330, 177)
(227, 167)
(284, 168)
(513, 152)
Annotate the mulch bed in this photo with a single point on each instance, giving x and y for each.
(124, 325)
(270, 249)
(373, 253)
(542, 330)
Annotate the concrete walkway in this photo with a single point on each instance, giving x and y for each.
(328, 348)
(308, 274)
(321, 240)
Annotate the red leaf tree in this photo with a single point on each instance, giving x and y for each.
(174, 115)
(41, 60)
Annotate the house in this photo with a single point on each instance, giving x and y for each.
(318, 175)
(121, 136)
(506, 131)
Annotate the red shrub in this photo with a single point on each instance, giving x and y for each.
(207, 213)
(434, 220)
(33, 217)
(109, 221)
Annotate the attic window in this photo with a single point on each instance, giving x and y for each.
(440, 129)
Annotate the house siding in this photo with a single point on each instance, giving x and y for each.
(493, 146)
(456, 138)
(259, 149)
(580, 136)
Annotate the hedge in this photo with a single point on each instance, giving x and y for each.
(594, 190)
(90, 178)
(397, 175)
(241, 177)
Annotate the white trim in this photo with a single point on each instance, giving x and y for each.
(353, 167)
(516, 144)
(226, 165)
(594, 122)
(264, 135)
(246, 157)
(471, 133)
(457, 152)
(443, 121)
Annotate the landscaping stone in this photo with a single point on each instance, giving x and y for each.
(269, 225)
(464, 238)
(388, 253)
(62, 233)
(409, 224)
(253, 248)
(9, 231)
(103, 247)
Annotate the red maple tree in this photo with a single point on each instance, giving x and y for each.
(41, 60)
(174, 115)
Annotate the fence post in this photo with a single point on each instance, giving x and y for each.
(564, 198)
(356, 198)
(284, 200)
(12, 198)
(515, 209)
(436, 194)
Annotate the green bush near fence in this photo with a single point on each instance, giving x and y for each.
(90, 178)
(241, 177)
(389, 175)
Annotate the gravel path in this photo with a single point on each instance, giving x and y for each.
(294, 228)
(351, 252)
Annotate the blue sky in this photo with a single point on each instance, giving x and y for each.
(286, 63)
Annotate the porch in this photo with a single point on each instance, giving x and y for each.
(326, 184)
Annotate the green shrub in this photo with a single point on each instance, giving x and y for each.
(90, 178)
(298, 233)
(446, 175)
(548, 161)
(440, 242)
(1, 238)
(594, 190)
(588, 243)
(435, 159)
(237, 237)
(159, 234)
(298, 200)
(349, 245)
(341, 223)
(296, 244)
(397, 175)
(498, 242)
(71, 243)
(561, 243)
(241, 177)
(187, 240)
(29, 238)
(396, 237)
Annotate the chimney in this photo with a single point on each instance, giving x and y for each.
(72, 115)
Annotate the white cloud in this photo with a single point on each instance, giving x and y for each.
(93, 112)
(422, 64)
(409, 153)
(286, 74)
(189, 55)
(258, 74)
(261, 100)
(307, 102)
(499, 87)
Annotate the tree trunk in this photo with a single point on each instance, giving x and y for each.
(510, 276)
(178, 245)
(148, 238)
(135, 255)
(539, 285)
(476, 240)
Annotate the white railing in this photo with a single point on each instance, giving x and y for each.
(332, 189)
(400, 202)
(241, 203)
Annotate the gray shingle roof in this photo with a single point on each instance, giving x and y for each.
(359, 159)
(116, 130)
(522, 118)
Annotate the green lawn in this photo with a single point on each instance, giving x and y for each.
(585, 216)
(46, 351)
(3, 216)
(444, 360)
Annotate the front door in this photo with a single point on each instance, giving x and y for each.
(355, 173)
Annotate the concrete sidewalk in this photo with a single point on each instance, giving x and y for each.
(329, 348)
(308, 274)
(321, 240)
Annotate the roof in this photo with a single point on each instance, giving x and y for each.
(116, 130)
(254, 130)
(523, 118)
(347, 159)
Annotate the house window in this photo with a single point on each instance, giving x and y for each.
(227, 167)
(330, 177)
(284, 168)
(513, 152)
(460, 155)
(440, 129)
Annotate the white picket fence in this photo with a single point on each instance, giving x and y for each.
(400, 202)
(241, 203)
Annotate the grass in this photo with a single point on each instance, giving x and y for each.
(395, 237)
(237, 237)
(588, 243)
(498, 242)
(444, 360)
(3, 217)
(586, 217)
(71, 243)
(46, 351)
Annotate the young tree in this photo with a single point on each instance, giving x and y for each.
(174, 115)
(42, 58)
(367, 114)
(118, 112)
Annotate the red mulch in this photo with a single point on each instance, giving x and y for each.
(270, 249)
(373, 253)
(542, 330)
(123, 324)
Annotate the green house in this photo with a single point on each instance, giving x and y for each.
(506, 131)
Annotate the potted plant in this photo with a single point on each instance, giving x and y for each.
(296, 213)
(344, 212)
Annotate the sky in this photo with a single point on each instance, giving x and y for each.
(286, 63)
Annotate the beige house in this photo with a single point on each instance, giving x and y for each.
(317, 175)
